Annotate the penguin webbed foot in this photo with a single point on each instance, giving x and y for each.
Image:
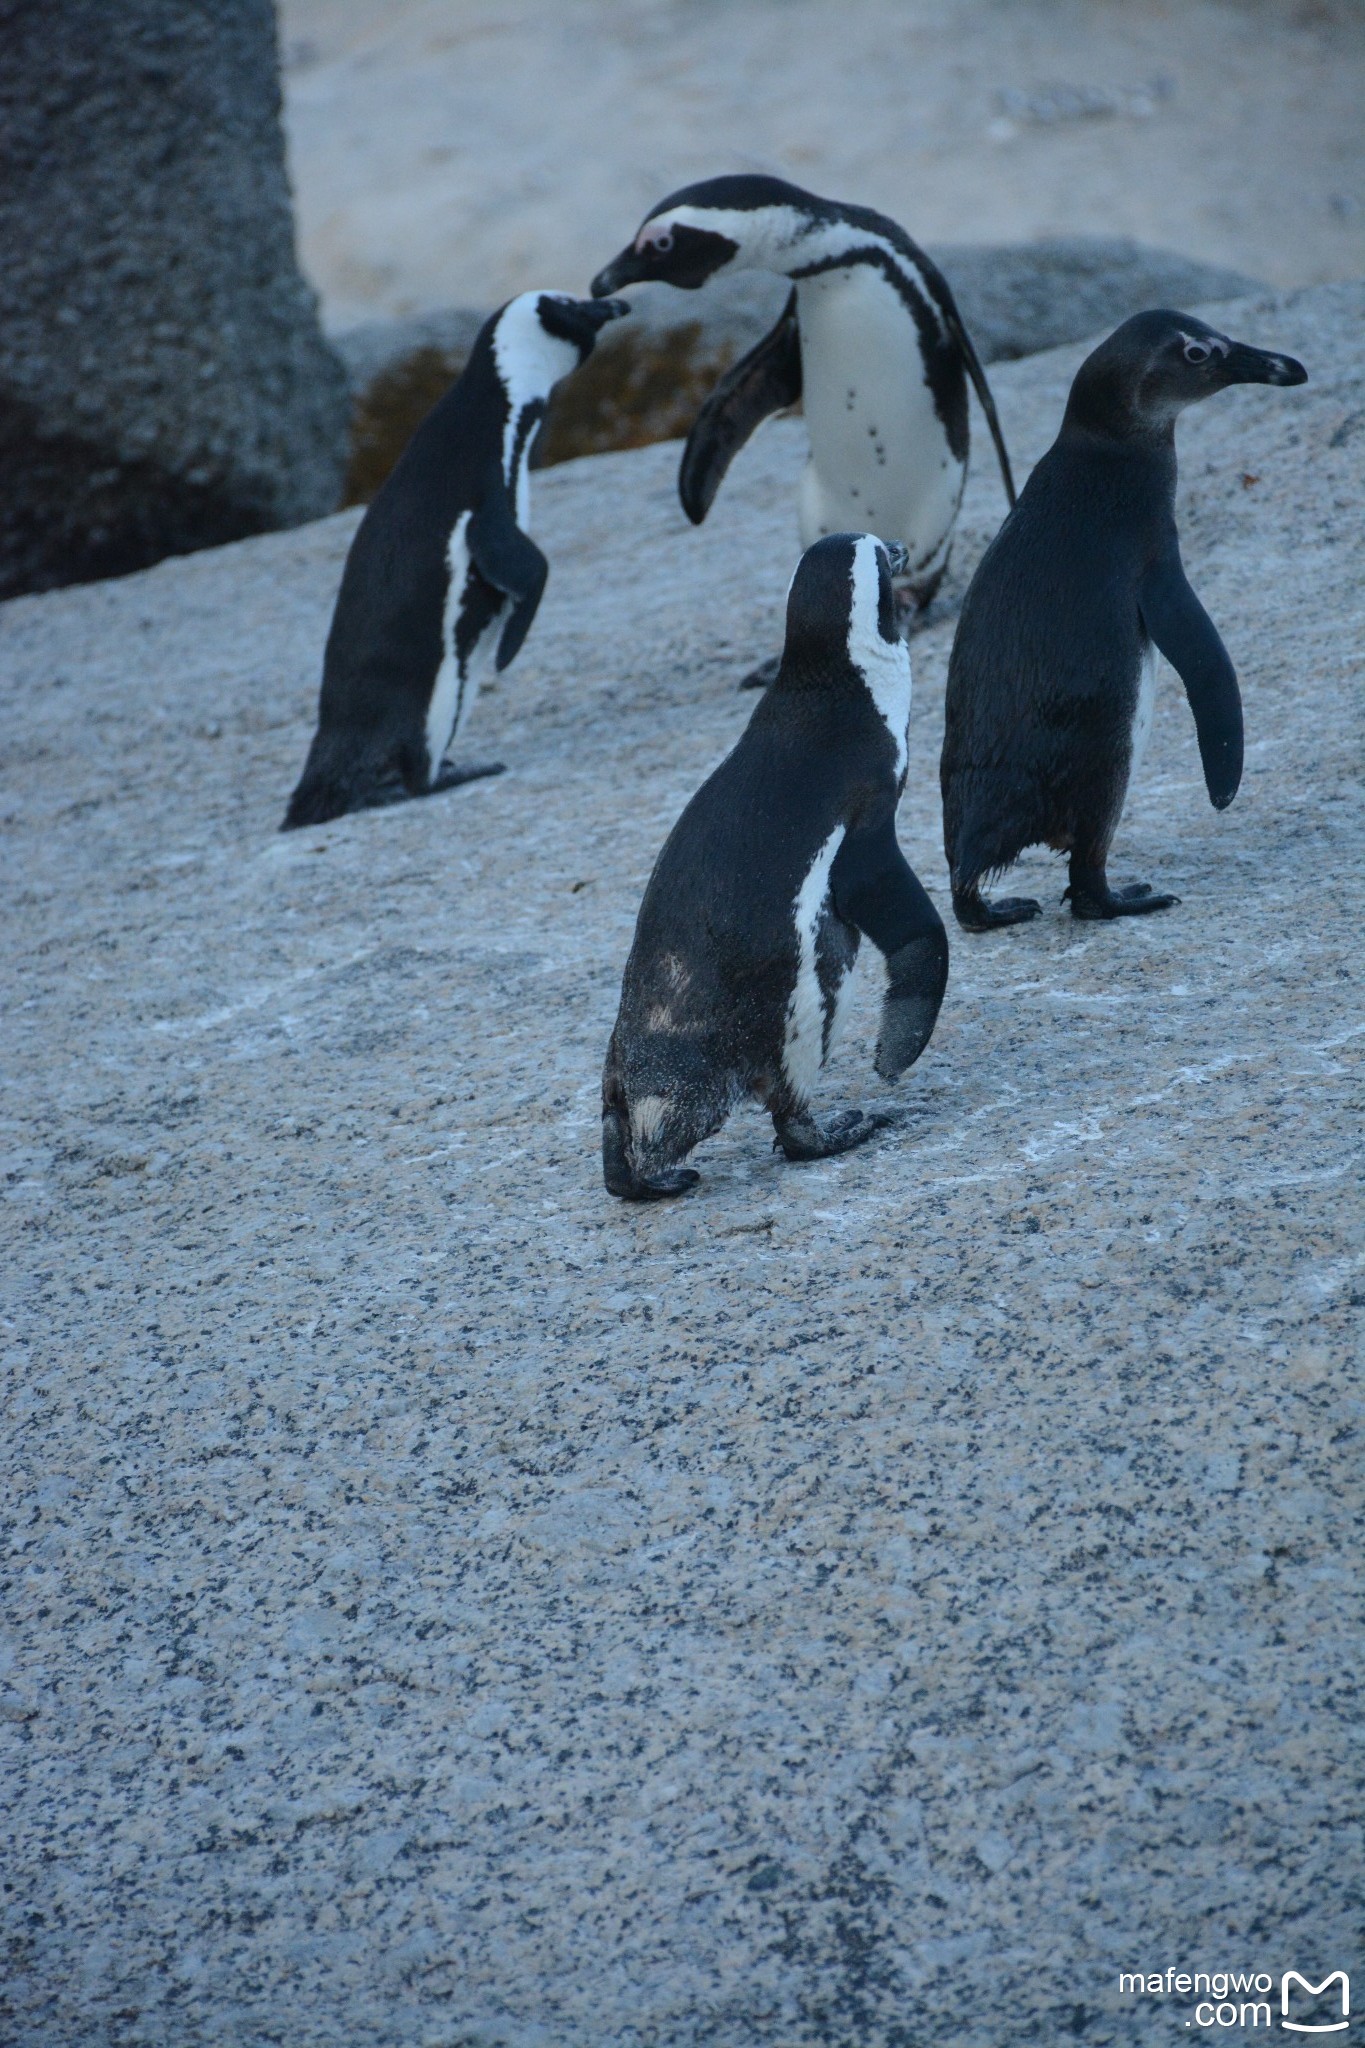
(978, 913)
(804, 1137)
(1092, 900)
(766, 672)
(448, 776)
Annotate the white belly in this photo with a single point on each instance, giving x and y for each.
(879, 456)
(456, 681)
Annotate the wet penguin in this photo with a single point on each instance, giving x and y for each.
(1050, 681)
(871, 340)
(442, 580)
(753, 915)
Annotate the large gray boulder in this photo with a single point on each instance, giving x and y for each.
(164, 382)
(648, 377)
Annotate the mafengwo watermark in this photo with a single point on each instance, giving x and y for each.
(1223, 2000)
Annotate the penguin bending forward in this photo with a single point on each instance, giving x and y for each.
(870, 338)
(752, 918)
(442, 579)
(1051, 677)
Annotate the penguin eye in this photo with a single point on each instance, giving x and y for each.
(1197, 351)
(658, 241)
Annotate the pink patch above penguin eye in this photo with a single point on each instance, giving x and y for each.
(658, 241)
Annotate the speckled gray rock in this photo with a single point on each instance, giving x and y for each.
(648, 377)
(164, 382)
(875, 1602)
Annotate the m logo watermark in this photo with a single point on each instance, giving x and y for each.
(1222, 2002)
(1292, 1977)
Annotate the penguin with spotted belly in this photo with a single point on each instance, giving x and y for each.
(442, 580)
(1051, 677)
(783, 860)
(870, 339)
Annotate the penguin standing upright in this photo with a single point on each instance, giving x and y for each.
(752, 918)
(870, 339)
(1051, 677)
(442, 579)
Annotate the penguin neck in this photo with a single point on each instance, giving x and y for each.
(875, 670)
(830, 246)
(518, 440)
(528, 362)
(1106, 409)
(817, 669)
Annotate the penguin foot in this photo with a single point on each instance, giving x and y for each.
(448, 776)
(1092, 902)
(803, 1137)
(976, 913)
(766, 672)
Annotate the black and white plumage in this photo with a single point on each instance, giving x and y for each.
(752, 918)
(1051, 677)
(871, 340)
(442, 580)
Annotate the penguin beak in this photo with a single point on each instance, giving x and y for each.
(627, 268)
(1243, 365)
(598, 311)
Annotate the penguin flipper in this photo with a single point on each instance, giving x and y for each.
(763, 382)
(953, 320)
(1187, 636)
(510, 560)
(875, 888)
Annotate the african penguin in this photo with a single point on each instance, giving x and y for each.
(1050, 680)
(442, 579)
(752, 918)
(872, 341)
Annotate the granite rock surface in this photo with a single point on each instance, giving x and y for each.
(873, 1602)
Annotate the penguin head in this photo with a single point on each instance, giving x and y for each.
(734, 223)
(540, 337)
(1157, 363)
(841, 607)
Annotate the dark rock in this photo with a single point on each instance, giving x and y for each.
(647, 377)
(164, 382)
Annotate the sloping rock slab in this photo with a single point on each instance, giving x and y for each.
(877, 1601)
(648, 378)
